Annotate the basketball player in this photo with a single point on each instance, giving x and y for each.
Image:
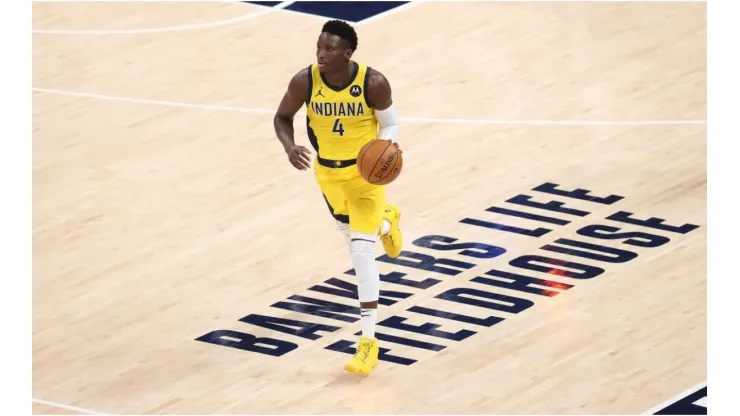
(347, 104)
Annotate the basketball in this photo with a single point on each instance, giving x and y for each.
(379, 162)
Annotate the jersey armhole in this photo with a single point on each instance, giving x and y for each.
(367, 95)
(310, 85)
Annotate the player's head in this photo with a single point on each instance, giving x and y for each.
(337, 42)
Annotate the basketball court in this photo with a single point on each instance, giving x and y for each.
(170, 231)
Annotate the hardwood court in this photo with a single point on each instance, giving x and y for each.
(160, 219)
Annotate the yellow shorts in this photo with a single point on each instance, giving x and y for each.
(351, 199)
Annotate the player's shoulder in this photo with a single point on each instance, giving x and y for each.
(376, 78)
(377, 89)
(301, 78)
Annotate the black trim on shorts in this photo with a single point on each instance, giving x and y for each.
(344, 219)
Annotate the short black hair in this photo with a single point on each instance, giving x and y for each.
(343, 30)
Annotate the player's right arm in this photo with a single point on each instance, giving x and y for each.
(380, 94)
(292, 101)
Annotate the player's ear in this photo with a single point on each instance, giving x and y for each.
(348, 53)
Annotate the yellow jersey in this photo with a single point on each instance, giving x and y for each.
(340, 119)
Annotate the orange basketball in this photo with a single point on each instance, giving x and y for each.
(379, 162)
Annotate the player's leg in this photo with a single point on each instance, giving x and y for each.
(365, 203)
(343, 228)
(338, 209)
(334, 197)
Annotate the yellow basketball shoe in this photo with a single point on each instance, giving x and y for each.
(393, 241)
(366, 357)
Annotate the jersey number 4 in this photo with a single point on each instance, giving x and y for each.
(338, 128)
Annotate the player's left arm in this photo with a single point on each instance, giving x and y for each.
(380, 94)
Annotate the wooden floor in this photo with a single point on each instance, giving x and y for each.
(165, 209)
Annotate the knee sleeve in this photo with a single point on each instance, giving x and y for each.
(366, 269)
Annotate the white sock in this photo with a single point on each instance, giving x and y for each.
(385, 228)
(368, 322)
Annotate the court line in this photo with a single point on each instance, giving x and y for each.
(154, 102)
(326, 18)
(164, 29)
(676, 398)
(291, 12)
(67, 407)
(389, 12)
(443, 120)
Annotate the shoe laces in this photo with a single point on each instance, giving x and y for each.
(363, 350)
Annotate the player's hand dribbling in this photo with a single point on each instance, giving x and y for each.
(299, 157)
(397, 146)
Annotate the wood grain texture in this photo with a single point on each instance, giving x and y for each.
(153, 225)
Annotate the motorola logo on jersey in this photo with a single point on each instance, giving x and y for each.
(355, 91)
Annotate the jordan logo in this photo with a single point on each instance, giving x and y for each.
(319, 93)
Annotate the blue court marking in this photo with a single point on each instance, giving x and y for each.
(264, 3)
(351, 11)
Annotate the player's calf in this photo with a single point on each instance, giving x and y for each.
(368, 291)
